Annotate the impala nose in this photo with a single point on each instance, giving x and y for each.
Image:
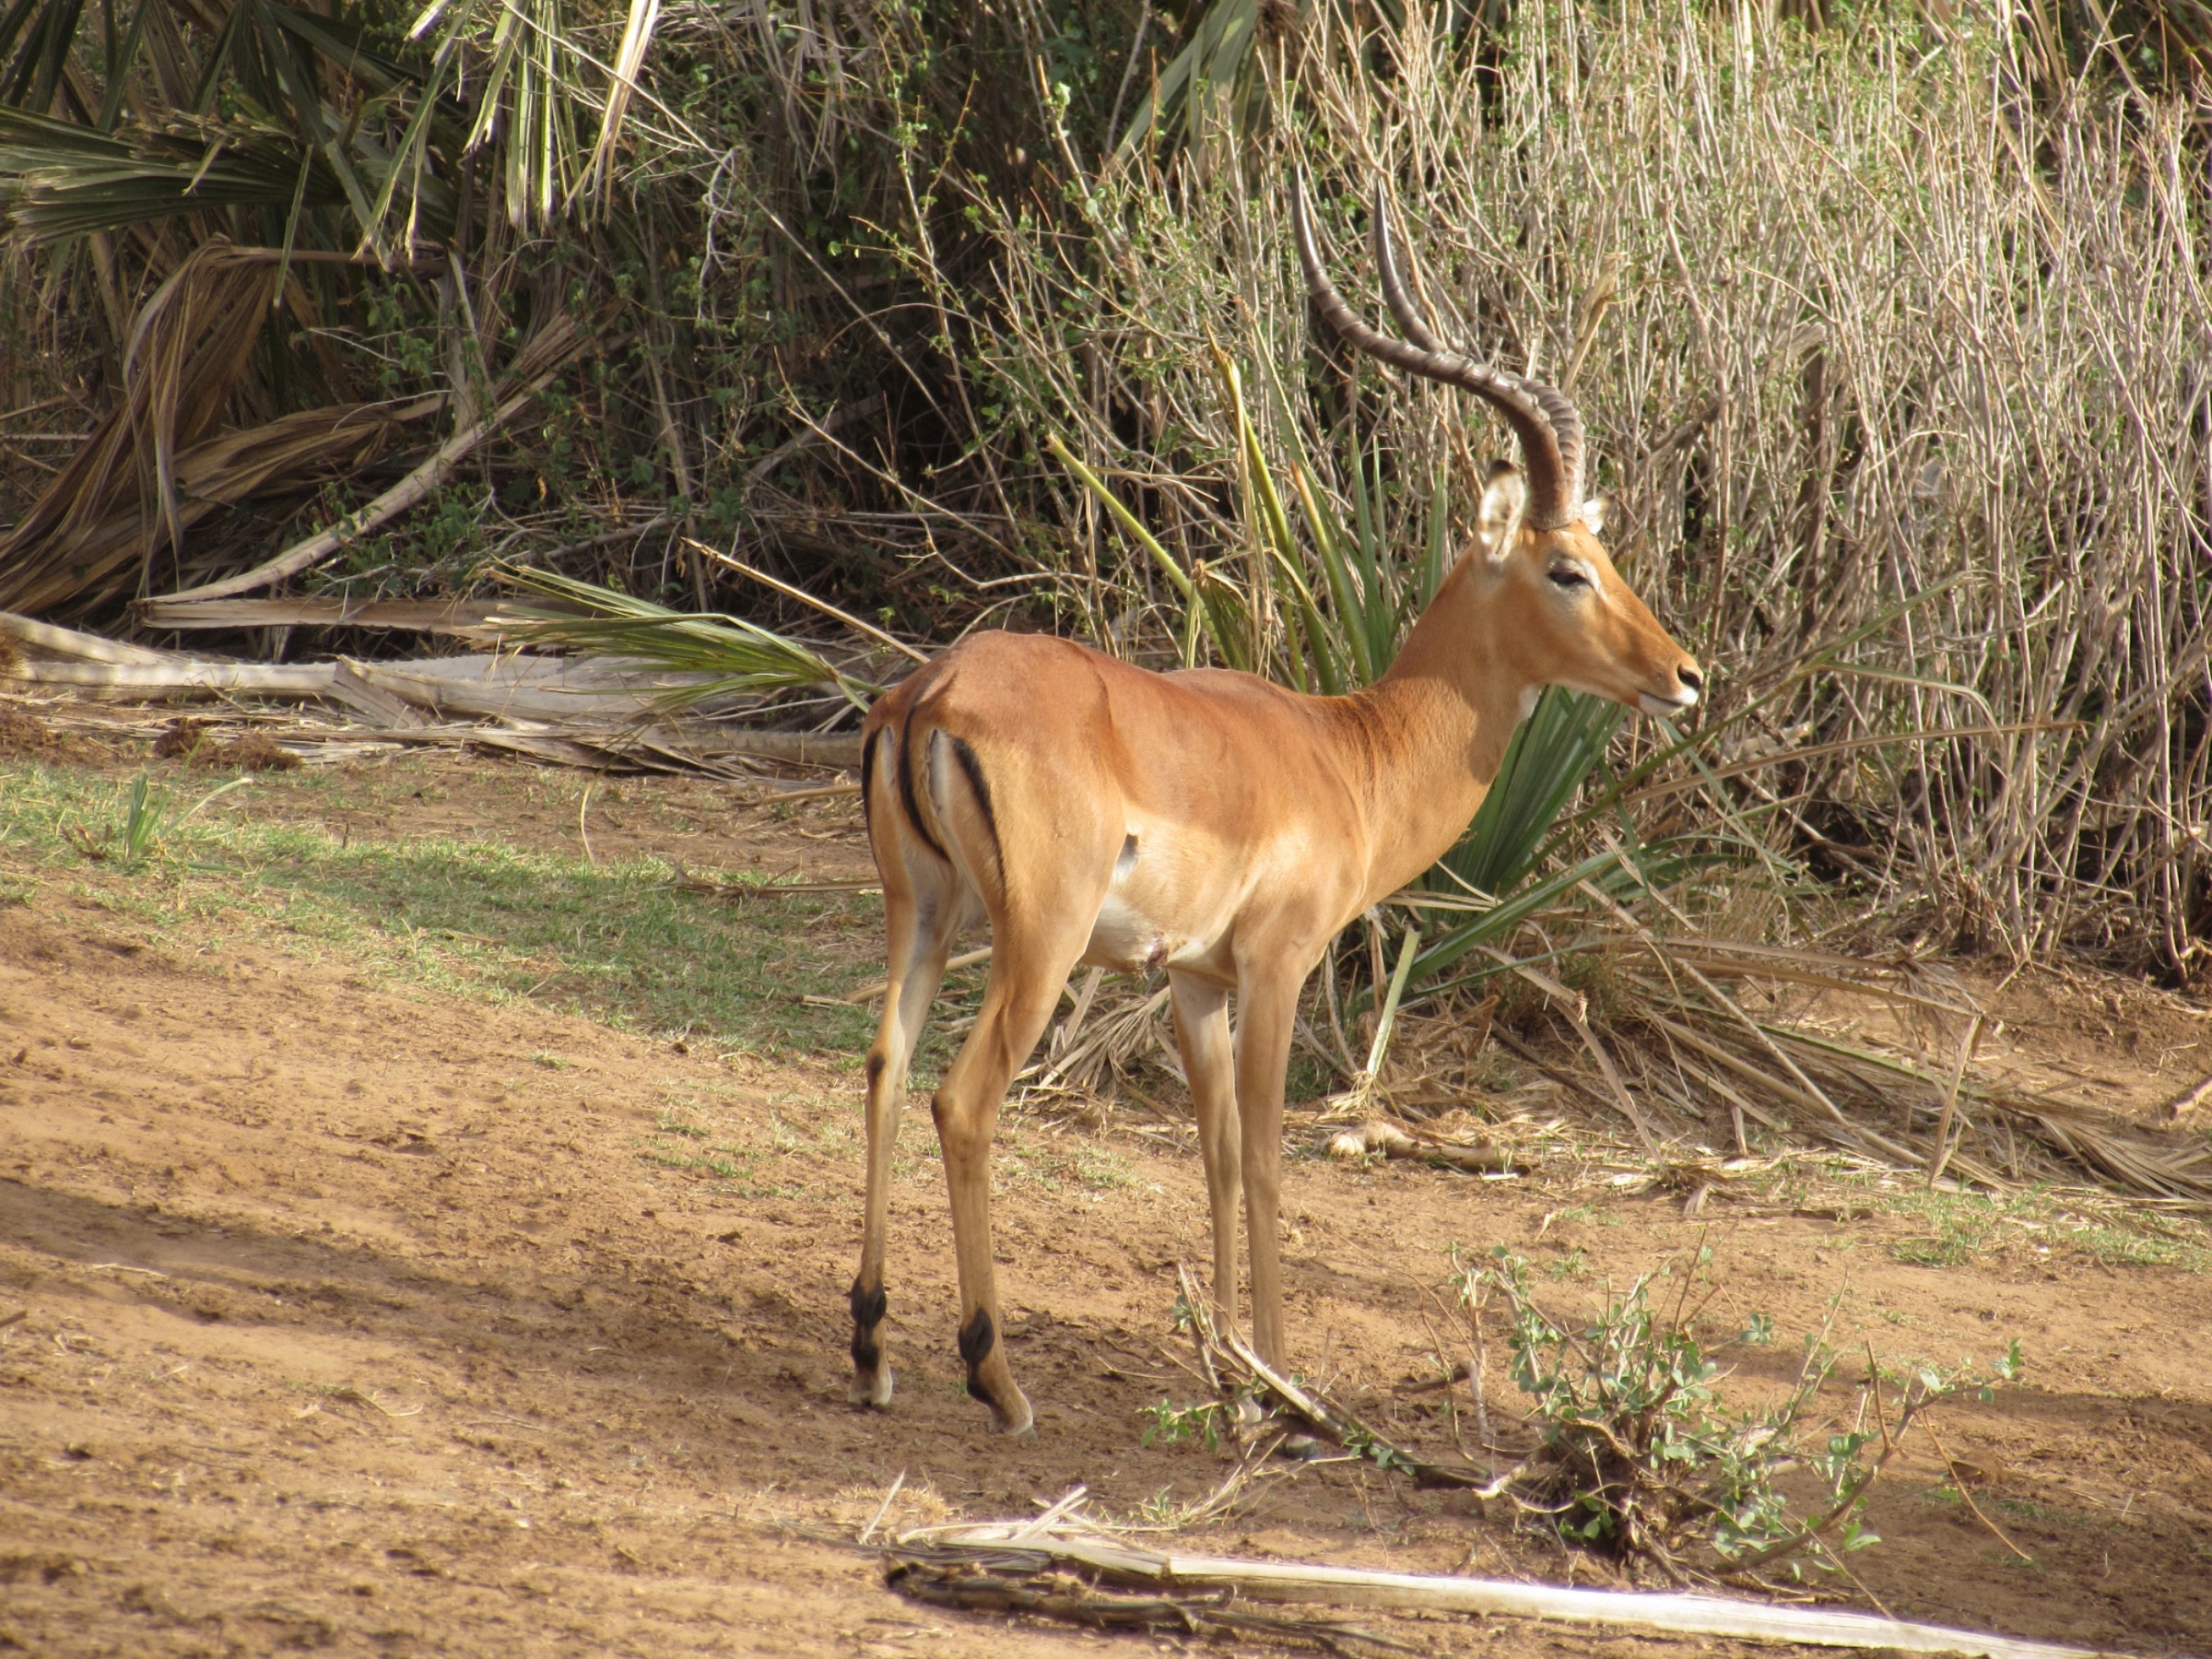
(1688, 683)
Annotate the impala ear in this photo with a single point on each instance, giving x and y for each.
(1502, 498)
(1594, 514)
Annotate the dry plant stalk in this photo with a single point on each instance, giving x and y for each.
(1237, 1371)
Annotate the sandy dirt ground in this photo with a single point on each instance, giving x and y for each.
(339, 1315)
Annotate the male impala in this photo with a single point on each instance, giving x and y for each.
(1212, 824)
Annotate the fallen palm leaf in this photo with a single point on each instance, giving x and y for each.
(576, 712)
(1673, 1039)
(51, 640)
(189, 673)
(430, 616)
(1111, 1040)
(86, 531)
(1116, 1561)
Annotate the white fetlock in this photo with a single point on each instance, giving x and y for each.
(1017, 1423)
(877, 1393)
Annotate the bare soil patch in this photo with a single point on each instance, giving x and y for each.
(339, 1311)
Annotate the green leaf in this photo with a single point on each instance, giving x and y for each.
(1552, 753)
(727, 653)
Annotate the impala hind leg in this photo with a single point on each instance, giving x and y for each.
(1025, 986)
(1210, 1062)
(921, 935)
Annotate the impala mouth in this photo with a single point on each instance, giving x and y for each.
(1681, 702)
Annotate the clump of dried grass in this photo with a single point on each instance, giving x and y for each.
(1694, 1048)
(1709, 1048)
(190, 740)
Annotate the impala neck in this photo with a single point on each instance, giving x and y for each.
(1430, 736)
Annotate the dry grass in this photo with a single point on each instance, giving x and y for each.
(1889, 362)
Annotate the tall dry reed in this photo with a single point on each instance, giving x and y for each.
(1894, 355)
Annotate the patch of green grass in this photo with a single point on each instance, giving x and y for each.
(2026, 1509)
(1052, 1166)
(737, 1156)
(2126, 1243)
(619, 942)
(735, 1170)
(1101, 1168)
(1962, 1227)
(1947, 1229)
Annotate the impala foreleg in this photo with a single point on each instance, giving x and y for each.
(919, 941)
(1210, 1062)
(1267, 1013)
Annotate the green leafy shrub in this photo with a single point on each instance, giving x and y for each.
(1642, 1459)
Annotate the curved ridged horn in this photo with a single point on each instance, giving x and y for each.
(1393, 286)
(1543, 418)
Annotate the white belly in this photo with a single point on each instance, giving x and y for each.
(1152, 918)
(1124, 939)
(1126, 934)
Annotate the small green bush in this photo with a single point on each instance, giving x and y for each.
(1640, 1458)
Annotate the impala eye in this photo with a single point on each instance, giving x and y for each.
(1568, 576)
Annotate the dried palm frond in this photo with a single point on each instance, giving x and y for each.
(1881, 1065)
(288, 456)
(188, 348)
(622, 85)
(1111, 1041)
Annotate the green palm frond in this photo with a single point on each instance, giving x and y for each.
(316, 118)
(60, 180)
(1216, 66)
(726, 653)
(1552, 753)
(345, 46)
(527, 83)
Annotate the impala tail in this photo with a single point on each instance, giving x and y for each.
(925, 794)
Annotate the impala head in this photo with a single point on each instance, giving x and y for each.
(1574, 622)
